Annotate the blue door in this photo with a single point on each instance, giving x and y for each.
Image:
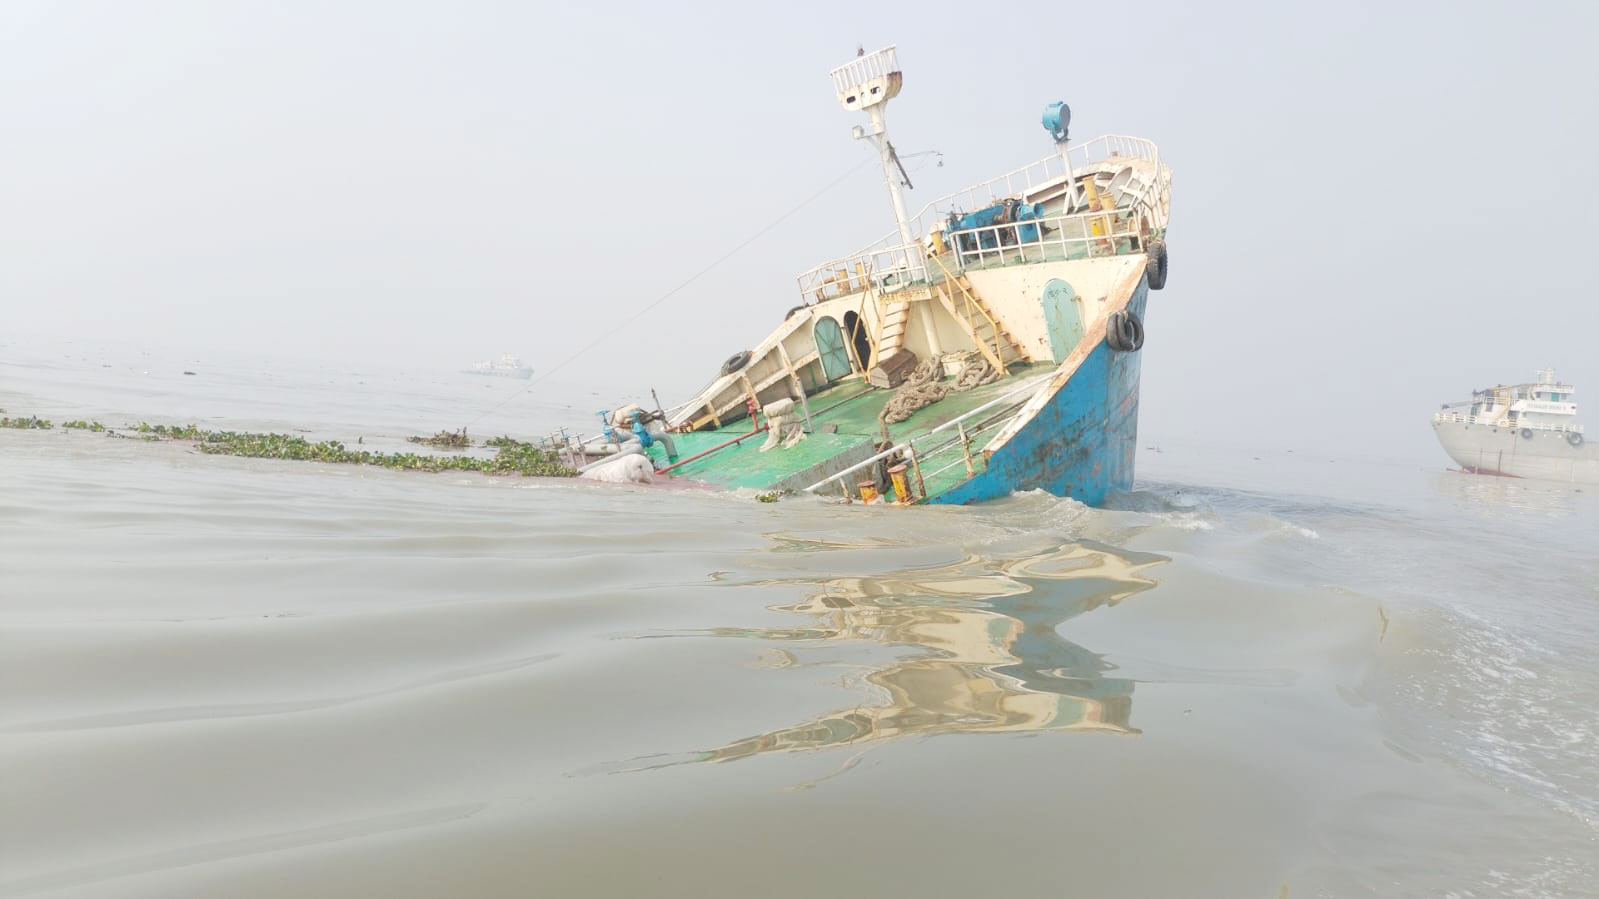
(830, 345)
(1063, 318)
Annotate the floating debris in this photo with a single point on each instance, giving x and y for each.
(512, 457)
(519, 459)
(174, 432)
(188, 372)
(457, 439)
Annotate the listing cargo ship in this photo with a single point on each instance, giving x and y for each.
(989, 344)
(1520, 431)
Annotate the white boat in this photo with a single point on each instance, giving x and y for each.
(507, 366)
(1519, 431)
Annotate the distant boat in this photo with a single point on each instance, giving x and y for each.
(1519, 431)
(507, 366)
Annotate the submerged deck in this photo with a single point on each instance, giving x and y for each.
(844, 431)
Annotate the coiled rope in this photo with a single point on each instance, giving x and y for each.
(922, 388)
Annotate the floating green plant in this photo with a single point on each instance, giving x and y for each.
(511, 457)
(174, 432)
(456, 439)
(518, 458)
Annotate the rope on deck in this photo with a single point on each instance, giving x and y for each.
(922, 388)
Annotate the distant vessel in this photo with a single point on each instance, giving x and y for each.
(507, 366)
(1519, 431)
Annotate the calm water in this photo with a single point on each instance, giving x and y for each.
(1293, 675)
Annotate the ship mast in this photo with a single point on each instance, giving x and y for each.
(866, 84)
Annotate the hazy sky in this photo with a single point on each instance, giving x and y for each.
(1377, 207)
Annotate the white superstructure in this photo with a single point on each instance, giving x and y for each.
(507, 366)
(1519, 430)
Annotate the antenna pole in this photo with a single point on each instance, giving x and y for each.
(891, 167)
(866, 84)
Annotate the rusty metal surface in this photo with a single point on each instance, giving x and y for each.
(1081, 443)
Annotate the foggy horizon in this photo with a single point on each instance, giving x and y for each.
(1360, 231)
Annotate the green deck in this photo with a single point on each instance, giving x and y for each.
(844, 430)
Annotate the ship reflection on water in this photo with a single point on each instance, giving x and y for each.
(986, 656)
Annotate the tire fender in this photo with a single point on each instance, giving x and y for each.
(1124, 332)
(1155, 269)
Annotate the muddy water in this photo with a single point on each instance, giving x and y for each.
(257, 678)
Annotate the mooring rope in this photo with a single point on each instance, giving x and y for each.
(924, 388)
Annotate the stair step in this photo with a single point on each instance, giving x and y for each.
(978, 321)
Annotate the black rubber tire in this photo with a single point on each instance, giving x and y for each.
(1574, 438)
(1526, 433)
(736, 362)
(1124, 332)
(1157, 266)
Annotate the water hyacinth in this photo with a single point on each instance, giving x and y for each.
(175, 432)
(445, 438)
(511, 457)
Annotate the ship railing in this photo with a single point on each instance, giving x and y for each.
(825, 280)
(934, 452)
(889, 262)
(851, 75)
(1503, 422)
(1080, 236)
(1049, 171)
(884, 269)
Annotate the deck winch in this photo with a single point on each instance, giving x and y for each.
(1007, 212)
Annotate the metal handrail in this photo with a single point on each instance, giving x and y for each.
(864, 68)
(1503, 422)
(1027, 387)
(899, 266)
(1050, 168)
(979, 246)
(998, 357)
(1024, 180)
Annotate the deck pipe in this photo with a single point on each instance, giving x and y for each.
(759, 427)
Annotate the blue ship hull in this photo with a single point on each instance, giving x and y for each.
(1081, 444)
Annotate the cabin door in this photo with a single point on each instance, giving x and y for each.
(855, 329)
(830, 346)
(1062, 318)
